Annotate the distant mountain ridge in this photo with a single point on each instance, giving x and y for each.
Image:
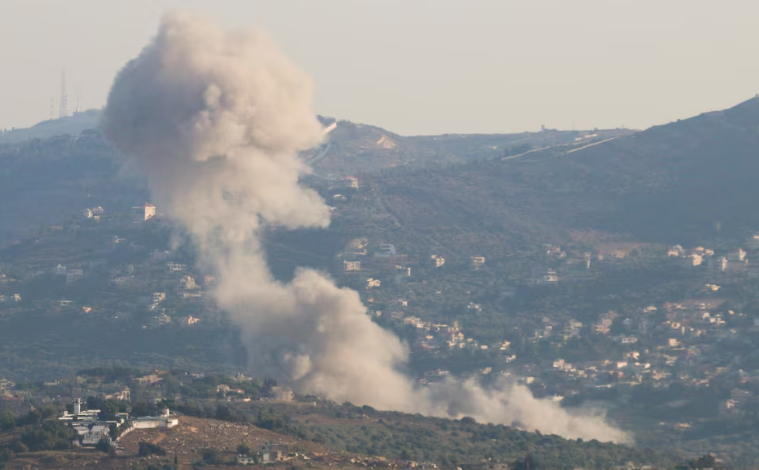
(681, 182)
(72, 125)
(359, 148)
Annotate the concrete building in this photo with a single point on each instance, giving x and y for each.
(148, 211)
(352, 265)
(386, 250)
(166, 420)
(79, 414)
(95, 434)
(693, 260)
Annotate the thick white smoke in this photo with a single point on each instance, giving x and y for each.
(215, 120)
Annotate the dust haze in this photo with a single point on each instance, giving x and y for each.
(215, 120)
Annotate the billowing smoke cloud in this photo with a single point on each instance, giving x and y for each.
(215, 120)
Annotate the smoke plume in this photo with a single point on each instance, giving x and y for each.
(215, 120)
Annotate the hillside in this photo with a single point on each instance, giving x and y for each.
(679, 183)
(352, 148)
(72, 125)
(331, 436)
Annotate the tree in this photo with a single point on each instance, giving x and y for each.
(705, 461)
(103, 446)
(148, 448)
(7, 421)
(243, 448)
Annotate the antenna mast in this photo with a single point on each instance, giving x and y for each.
(63, 109)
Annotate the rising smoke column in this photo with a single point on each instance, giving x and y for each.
(214, 120)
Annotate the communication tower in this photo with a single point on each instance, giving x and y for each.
(63, 108)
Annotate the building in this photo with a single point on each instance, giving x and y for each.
(438, 260)
(74, 275)
(124, 395)
(60, 270)
(719, 264)
(693, 260)
(159, 297)
(95, 434)
(151, 379)
(352, 265)
(371, 282)
(148, 211)
(166, 420)
(6, 384)
(175, 267)
(386, 250)
(550, 277)
(352, 182)
(80, 415)
(676, 251)
(737, 255)
(188, 282)
(245, 460)
(478, 261)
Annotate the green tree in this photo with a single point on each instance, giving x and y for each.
(103, 446)
(7, 421)
(243, 448)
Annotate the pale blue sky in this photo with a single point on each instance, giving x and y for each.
(423, 66)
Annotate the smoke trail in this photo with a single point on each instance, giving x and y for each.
(215, 119)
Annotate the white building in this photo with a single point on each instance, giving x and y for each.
(386, 250)
(148, 211)
(151, 422)
(352, 265)
(693, 260)
(80, 415)
(188, 282)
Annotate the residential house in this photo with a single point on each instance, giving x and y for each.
(676, 251)
(738, 255)
(174, 267)
(73, 275)
(478, 261)
(351, 265)
(692, 260)
(147, 211)
(188, 282)
(386, 250)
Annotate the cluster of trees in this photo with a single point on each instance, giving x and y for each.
(37, 433)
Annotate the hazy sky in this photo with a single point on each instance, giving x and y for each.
(422, 66)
